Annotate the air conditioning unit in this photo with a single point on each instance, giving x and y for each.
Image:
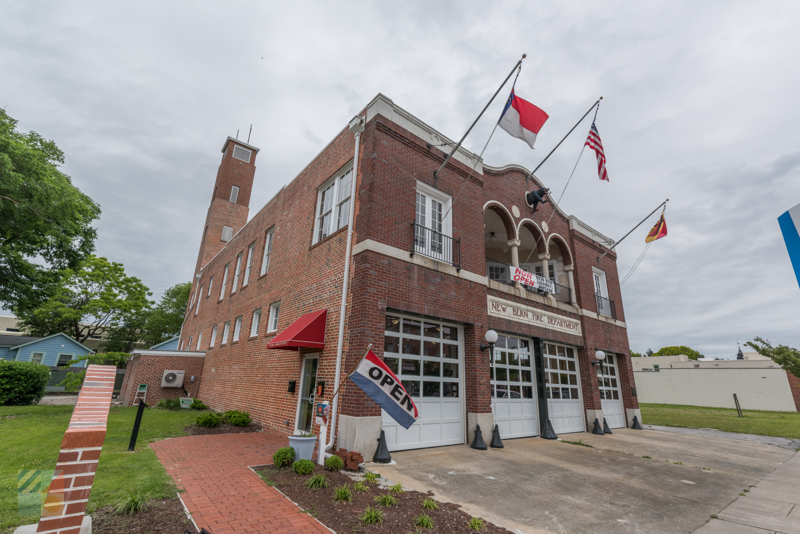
(172, 379)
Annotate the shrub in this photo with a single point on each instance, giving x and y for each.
(208, 419)
(372, 478)
(317, 481)
(371, 516)
(283, 457)
(423, 521)
(197, 404)
(169, 404)
(386, 500)
(397, 488)
(303, 467)
(133, 503)
(476, 523)
(430, 504)
(236, 418)
(343, 493)
(334, 463)
(22, 383)
(359, 486)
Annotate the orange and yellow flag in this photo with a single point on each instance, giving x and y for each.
(658, 231)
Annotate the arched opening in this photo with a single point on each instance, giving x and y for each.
(498, 230)
(560, 260)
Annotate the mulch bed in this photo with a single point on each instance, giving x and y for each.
(167, 517)
(224, 428)
(343, 518)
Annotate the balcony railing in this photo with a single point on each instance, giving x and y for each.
(435, 245)
(500, 272)
(606, 307)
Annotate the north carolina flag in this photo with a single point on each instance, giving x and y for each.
(382, 385)
(790, 227)
(521, 119)
(658, 231)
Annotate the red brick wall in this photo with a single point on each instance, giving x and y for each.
(794, 385)
(149, 369)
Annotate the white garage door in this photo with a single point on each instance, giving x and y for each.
(611, 400)
(562, 381)
(427, 356)
(513, 400)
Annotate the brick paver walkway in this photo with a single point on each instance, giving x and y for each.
(222, 494)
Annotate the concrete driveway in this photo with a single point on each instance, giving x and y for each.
(535, 485)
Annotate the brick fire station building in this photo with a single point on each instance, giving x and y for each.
(429, 276)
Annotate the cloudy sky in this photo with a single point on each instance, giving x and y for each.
(700, 106)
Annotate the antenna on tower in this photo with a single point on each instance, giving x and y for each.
(248, 135)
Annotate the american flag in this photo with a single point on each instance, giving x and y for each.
(594, 142)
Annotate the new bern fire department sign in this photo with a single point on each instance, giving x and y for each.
(525, 314)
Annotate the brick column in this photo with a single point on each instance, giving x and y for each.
(69, 491)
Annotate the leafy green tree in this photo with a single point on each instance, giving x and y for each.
(42, 217)
(787, 357)
(682, 349)
(89, 300)
(74, 381)
(648, 352)
(636, 354)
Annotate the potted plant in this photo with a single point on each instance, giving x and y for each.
(303, 445)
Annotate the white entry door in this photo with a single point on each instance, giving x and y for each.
(427, 356)
(562, 381)
(611, 400)
(513, 401)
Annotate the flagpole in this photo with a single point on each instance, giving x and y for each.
(351, 370)
(634, 228)
(436, 174)
(562, 140)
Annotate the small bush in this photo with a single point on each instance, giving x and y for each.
(334, 463)
(359, 486)
(476, 523)
(22, 383)
(430, 504)
(236, 418)
(208, 419)
(283, 457)
(386, 500)
(169, 404)
(371, 516)
(372, 478)
(423, 521)
(397, 489)
(343, 493)
(303, 467)
(317, 481)
(133, 503)
(198, 405)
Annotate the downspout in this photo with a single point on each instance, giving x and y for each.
(357, 127)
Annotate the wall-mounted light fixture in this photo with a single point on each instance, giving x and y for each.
(491, 339)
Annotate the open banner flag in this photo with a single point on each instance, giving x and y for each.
(383, 386)
(521, 119)
(790, 227)
(658, 231)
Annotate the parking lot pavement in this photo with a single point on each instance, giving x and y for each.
(630, 481)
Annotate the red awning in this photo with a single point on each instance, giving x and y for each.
(306, 332)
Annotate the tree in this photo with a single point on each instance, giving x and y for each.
(74, 381)
(89, 300)
(42, 217)
(636, 354)
(682, 349)
(648, 352)
(787, 357)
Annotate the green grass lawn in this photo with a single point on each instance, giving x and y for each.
(779, 424)
(31, 437)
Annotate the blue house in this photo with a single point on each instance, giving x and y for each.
(53, 351)
(170, 344)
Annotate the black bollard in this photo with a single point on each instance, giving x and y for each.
(477, 441)
(597, 429)
(382, 455)
(136, 423)
(496, 443)
(636, 425)
(606, 428)
(549, 433)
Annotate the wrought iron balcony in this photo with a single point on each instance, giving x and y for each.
(435, 245)
(606, 307)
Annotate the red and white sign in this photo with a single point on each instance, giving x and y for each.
(532, 280)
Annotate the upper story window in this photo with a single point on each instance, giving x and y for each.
(333, 204)
(267, 251)
(241, 153)
(213, 336)
(274, 311)
(432, 223)
(224, 282)
(36, 357)
(199, 294)
(210, 285)
(255, 322)
(604, 305)
(199, 340)
(250, 250)
(237, 329)
(234, 193)
(236, 273)
(227, 233)
(225, 331)
(189, 344)
(63, 360)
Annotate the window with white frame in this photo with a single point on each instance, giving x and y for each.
(199, 340)
(199, 298)
(333, 204)
(210, 285)
(227, 233)
(236, 273)
(601, 292)
(225, 332)
(189, 344)
(433, 223)
(37, 357)
(255, 322)
(224, 282)
(234, 193)
(237, 328)
(213, 336)
(274, 311)
(250, 251)
(63, 360)
(267, 251)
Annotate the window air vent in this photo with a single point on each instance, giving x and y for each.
(241, 153)
(227, 233)
(234, 193)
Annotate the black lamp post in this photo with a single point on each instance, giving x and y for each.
(478, 443)
(491, 339)
(600, 356)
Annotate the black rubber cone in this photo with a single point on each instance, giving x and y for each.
(636, 425)
(496, 443)
(606, 428)
(549, 433)
(382, 455)
(477, 442)
(597, 429)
